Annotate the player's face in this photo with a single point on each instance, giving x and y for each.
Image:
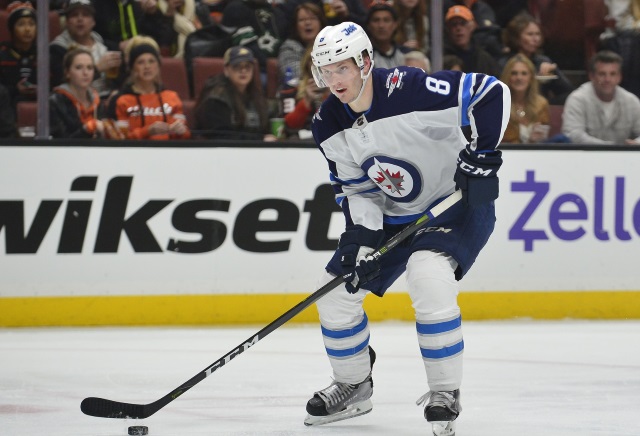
(605, 78)
(530, 39)
(343, 79)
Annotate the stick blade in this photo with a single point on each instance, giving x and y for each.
(101, 408)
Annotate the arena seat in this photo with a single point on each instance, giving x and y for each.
(555, 119)
(27, 115)
(174, 76)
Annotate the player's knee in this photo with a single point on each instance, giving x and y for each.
(432, 284)
(339, 307)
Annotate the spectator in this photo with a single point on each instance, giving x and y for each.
(460, 26)
(529, 119)
(7, 117)
(309, 98)
(452, 62)
(231, 105)
(258, 26)
(413, 24)
(600, 111)
(417, 59)
(309, 19)
(80, 21)
(623, 37)
(523, 35)
(335, 11)
(117, 21)
(18, 56)
(74, 107)
(177, 20)
(382, 23)
(143, 108)
(487, 32)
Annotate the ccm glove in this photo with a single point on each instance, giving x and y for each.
(476, 176)
(356, 245)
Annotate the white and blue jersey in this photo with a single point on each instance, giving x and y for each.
(393, 162)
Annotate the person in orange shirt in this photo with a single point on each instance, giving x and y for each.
(144, 109)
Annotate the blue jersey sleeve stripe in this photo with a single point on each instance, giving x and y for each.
(485, 85)
(444, 352)
(467, 84)
(441, 327)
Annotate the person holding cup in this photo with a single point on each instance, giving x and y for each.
(80, 22)
(231, 105)
(529, 119)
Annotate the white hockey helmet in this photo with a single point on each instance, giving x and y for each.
(337, 43)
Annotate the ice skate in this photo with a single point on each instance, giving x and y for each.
(341, 401)
(441, 411)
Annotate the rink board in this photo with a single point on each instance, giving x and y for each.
(155, 236)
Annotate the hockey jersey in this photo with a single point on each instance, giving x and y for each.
(394, 161)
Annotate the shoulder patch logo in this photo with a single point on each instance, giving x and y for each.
(394, 80)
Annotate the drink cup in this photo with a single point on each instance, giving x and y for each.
(277, 127)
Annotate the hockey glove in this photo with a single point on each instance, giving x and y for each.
(356, 244)
(476, 176)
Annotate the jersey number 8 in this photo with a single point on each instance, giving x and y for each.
(439, 86)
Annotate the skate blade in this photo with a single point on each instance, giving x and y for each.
(443, 428)
(350, 412)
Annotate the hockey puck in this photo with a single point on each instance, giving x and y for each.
(138, 430)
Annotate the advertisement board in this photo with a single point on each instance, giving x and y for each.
(118, 222)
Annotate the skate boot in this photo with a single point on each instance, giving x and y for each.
(441, 411)
(341, 401)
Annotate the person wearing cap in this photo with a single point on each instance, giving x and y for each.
(144, 109)
(18, 56)
(80, 22)
(382, 23)
(460, 25)
(487, 33)
(231, 105)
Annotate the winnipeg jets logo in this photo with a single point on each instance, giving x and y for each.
(392, 182)
(397, 178)
(394, 80)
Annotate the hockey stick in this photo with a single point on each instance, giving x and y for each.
(103, 408)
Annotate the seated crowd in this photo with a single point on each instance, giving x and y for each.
(105, 66)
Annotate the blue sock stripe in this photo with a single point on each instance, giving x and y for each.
(341, 334)
(440, 327)
(348, 351)
(441, 353)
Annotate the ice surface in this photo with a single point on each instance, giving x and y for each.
(522, 378)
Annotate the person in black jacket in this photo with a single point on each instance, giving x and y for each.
(74, 107)
(231, 105)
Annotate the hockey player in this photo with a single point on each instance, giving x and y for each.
(395, 148)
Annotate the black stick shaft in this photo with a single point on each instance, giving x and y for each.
(103, 408)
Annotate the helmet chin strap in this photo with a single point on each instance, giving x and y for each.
(364, 82)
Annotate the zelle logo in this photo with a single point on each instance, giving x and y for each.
(581, 211)
(117, 219)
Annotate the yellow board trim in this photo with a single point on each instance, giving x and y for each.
(263, 309)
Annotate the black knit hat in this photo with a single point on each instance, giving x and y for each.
(140, 50)
(19, 10)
